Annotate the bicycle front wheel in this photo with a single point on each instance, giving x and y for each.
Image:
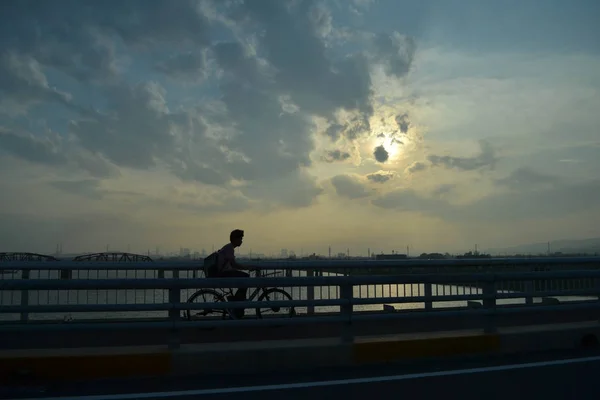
(206, 296)
(275, 294)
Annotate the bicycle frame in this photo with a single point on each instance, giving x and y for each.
(256, 291)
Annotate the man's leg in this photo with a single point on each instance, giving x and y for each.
(240, 294)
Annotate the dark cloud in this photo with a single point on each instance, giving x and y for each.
(403, 122)
(277, 142)
(76, 37)
(23, 82)
(189, 66)
(381, 154)
(487, 158)
(396, 52)
(52, 151)
(349, 187)
(334, 131)
(336, 155)
(318, 83)
(380, 177)
(43, 151)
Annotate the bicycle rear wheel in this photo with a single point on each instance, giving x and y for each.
(275, 294)
(206, 296)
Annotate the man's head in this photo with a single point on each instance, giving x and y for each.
(236, 237)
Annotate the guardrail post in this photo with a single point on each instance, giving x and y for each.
(529, 292)
(310, 292)
(347, 293)
(429, 295)
(489, 303)
(24, 303)
(25, 296)
(174, 313)
(66, 274)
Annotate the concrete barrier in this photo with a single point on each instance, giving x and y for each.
(276, 355)
(396, 348)
(84, 364)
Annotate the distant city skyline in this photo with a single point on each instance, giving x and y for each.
(436, 124)
(589, 245)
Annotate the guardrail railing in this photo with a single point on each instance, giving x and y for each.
(182, 303)
(111, 303)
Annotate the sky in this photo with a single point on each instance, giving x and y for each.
(355, 124)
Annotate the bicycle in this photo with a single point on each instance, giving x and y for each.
(221, 295)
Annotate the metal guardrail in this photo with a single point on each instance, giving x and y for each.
(490, 292)
(366, 295)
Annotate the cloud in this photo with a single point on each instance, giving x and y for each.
(23, 83)
(257, 126)
(299, 190)
(44, 151)
(416, 167)
(381, 154)
(527, 178)
(336, 155)
(380, 177)
(87, 188)
(52, 151)
(487, 158)
(522, 205)
(403, 122)
(190, 66)
(395, 52)
(444, 189)
(317, 83)
(349, 187)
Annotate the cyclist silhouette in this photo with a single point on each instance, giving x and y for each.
(228, 267)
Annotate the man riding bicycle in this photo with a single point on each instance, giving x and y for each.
(228, 267)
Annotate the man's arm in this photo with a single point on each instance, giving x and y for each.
(239, 266)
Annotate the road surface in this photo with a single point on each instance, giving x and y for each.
(548, 376)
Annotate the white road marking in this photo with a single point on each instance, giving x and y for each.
(307, 385)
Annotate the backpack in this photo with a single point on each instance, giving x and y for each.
(211, 265)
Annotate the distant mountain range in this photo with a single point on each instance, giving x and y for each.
(563, 246)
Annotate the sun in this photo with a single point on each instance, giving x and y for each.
(392, 145)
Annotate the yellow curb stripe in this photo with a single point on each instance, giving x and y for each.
(76, 367)
(390, 350)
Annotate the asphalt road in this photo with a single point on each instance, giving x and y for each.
(548, 376)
